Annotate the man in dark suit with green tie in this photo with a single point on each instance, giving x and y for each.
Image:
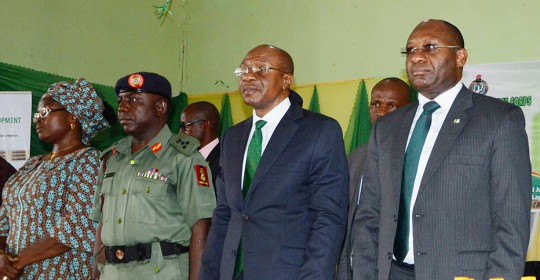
(447, 186)
(283, 189)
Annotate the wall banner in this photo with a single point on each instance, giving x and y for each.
(15, 123)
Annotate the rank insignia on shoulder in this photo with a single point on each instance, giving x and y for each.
(202, 175)
(156, 147)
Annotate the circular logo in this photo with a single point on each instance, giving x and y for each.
(119, 254)
(479, 86)
(136, 80)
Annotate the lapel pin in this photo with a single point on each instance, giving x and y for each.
(456, 120)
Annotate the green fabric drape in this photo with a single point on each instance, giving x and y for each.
(359, 128)
(314, 105)
(225, 115)
(178, 104)
(17, 78)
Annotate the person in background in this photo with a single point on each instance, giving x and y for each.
(283, 189)
(201, 120)
(447, 181)
(45, 230)
(386, 96)
(6, 170)
(154, 197)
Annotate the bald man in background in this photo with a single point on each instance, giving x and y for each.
(201, 120)
(386, 96)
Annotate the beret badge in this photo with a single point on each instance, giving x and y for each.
(136, 81)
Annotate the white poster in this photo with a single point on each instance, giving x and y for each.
(517, 83)
(15, 123)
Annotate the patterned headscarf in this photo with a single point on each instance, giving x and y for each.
(80, 99)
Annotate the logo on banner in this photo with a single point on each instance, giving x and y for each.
(479, 86)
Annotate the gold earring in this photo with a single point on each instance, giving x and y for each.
(72, 126)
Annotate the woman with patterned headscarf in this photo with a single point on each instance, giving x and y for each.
(45, 231)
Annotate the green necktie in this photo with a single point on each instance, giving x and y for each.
(410, 167)
(252, 161)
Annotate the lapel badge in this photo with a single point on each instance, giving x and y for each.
(136, 81)
(119, 254)
(156, 147)
(202, 175)
(457, 120)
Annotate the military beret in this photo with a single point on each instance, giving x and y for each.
(144, 82)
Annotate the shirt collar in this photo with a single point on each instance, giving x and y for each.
(275, 115)
(208, 148)
(163, 136)
(444, 99)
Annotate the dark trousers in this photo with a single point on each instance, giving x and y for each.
(398, 272)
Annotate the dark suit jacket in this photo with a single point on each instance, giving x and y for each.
(293, 219)
(213, 162)
(356, 166)
(471, 216)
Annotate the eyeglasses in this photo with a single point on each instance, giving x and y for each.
(426, 49)
(186, 125)
(242, 71)
(44, 112)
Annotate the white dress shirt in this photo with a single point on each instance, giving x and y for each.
(207, 149)
(272, 119)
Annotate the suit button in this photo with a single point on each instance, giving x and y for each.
(233, 252)
(245, 217)
(395, 218)
(389, 255)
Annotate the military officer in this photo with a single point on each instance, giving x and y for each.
(155, 195)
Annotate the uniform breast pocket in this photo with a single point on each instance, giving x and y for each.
(108, 199)
(149, 199)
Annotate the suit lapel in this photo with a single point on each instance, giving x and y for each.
(239, 145)
(398, 145)
(284, 132)
(454, 123)
(212, 155)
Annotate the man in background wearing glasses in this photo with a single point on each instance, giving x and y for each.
(283, 189)
(447, 187)
(201, 120)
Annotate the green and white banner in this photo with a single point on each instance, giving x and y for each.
(15, 122)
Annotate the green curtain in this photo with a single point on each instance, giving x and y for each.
(178, 104)
(359, 128)
(17, 78)
(225, 115)
(314, 105)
